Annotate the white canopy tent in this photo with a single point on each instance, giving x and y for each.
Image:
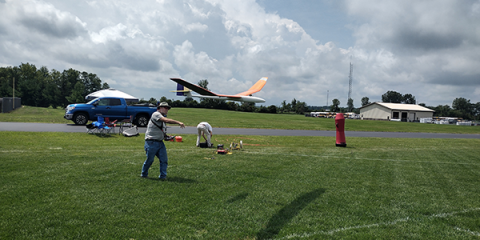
(111, 93)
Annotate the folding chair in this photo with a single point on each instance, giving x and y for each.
(125, 124)
(99, 126)
(91, 128)
(111, 125)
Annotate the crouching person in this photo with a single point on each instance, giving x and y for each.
(203, 129)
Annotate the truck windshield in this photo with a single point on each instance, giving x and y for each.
(91, 102)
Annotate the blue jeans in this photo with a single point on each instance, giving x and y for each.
(153, 149)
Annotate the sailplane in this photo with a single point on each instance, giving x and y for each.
(185, 88)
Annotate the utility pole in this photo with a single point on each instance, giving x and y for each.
(327, 98)
(350, 80)
(13, 93)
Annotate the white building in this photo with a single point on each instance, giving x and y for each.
(395, 111)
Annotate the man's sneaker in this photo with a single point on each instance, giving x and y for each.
(143, 176)
(163, 179)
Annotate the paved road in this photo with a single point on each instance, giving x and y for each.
(175, 130)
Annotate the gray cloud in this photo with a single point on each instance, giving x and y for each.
(410, 39)
(455, 79)
(120, 57)
(48, 20)
(51, 26)
(427, 48)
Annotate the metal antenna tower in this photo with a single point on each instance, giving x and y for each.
(327, 98)
(350, 79)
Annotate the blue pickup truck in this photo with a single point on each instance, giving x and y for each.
(111, 107)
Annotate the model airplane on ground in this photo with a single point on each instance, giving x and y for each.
(185, 88)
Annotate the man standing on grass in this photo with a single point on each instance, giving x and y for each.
(202, 129)
(154, 136)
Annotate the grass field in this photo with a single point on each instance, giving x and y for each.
(233, 119)
(80, 186)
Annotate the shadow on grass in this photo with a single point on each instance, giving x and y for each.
(239, 197)
(175, 179)
(102, 135)
(287, 213)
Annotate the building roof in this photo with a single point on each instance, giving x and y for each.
(401, 106)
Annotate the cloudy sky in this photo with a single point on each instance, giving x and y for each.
(428, 48)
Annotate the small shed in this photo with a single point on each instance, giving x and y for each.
(395, 111)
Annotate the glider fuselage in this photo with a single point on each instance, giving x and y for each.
(184, 88)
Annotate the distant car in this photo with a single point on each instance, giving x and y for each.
(111, 107)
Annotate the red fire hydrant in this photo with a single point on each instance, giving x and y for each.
(340, 127)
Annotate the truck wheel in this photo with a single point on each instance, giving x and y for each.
(80, 119)
(142, 120)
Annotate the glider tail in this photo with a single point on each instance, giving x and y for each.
(182, 91)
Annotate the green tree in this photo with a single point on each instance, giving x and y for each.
(190, 102)
(350, 106)
(152, 101)
(208, 102)
(294, 104)
(67, 82)
(409, 99)
(300, 107)
(443, 111)
(43, 77)
(335, 104)
(464, 107)
(203, 83)
(77, 95)
(6, 82)
(392, 97)
(163, 99)
(233, 105)
(262, 109)
(272, 109)
(28, 84)
(41, 88)
(91, 83)
(247, 107)
(55, 89)
(283, 107)
(51, 91)
(476, 110)
(365, 101)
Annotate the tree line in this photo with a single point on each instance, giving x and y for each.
(40, 87)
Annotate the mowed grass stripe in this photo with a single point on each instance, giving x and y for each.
(274, 188)
(232, 119)
(380, 224)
